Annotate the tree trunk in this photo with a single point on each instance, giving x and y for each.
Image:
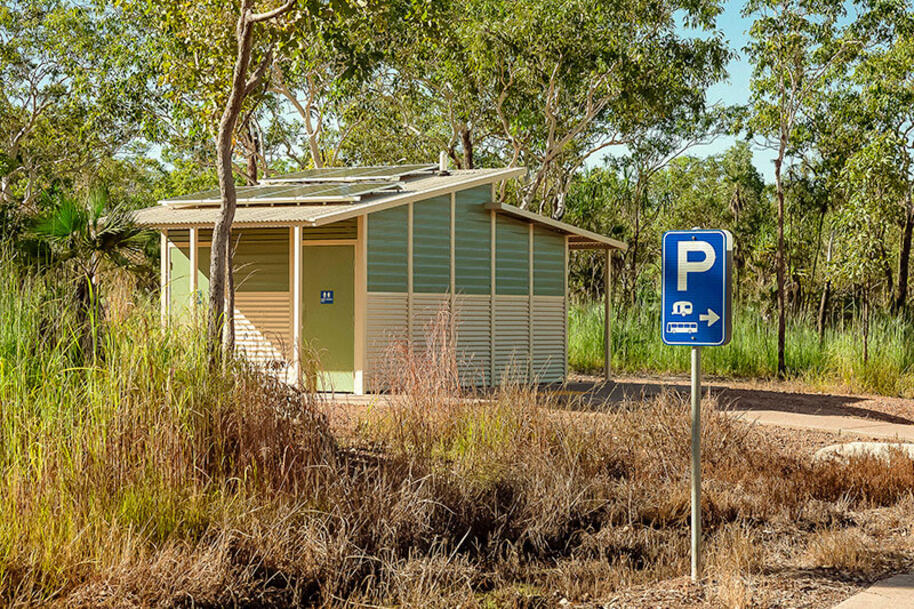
(781, 263)
(252, 157)
(228, 334)
(467, 140)
(866, 327)
(826, 293)
(218, 271)
(904, 258)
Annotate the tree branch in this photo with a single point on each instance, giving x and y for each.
(259, 17)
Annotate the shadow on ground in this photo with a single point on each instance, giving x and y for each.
(588, 395)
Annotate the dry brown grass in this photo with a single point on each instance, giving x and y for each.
(211, 491)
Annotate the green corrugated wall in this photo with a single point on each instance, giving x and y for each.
(432, 245)
(261, 260)
(548, 262)
(388, 250)
(472, 241)
(512, 256)
(345, 229)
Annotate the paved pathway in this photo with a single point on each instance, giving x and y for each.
(893, 593)
(843, 425)
(863, 416)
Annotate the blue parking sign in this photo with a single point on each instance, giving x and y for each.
(696, 287)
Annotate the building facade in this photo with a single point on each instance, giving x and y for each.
(342, 282)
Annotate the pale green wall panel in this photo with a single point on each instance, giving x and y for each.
(548, 262)
(387, 250)
(512, 256)
(345, 229)
(472, 241)
(179, 280)
(432, 245)
(261, 260)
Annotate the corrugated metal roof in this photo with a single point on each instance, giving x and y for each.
(164, 216)
(285, 213)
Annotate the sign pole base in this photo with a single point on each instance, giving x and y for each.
(696, 464)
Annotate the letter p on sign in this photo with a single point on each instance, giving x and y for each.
(685, 266)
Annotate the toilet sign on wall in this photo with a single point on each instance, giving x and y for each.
(696, 287)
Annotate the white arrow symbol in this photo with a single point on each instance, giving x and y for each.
(711, 317)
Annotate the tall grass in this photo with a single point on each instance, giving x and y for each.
(836, 362)
(144, 479)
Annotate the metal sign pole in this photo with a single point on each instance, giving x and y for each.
(696, 463)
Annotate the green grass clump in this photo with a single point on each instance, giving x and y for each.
(837, 362)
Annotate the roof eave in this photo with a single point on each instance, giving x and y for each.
(590, 240)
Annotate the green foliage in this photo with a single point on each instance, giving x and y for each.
(874, 193)
(833, 364)
(724, 191)
(67, 105)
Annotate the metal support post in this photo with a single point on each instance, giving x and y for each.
(696, 463)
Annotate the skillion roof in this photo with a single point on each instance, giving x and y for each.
(313, 200)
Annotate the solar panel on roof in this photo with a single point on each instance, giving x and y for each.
(287, 193)
(351, 174)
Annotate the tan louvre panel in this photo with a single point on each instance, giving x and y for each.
(429, 311)
(386, 325)
(473, 336)
(263, 330)
(512, 335)
(548, 338)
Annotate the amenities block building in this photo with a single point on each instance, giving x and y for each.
(342, 263)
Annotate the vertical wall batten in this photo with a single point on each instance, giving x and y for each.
(530, 371)
(452, 317)
(163, 279)
(295, 246)
(565, 329)
(361, 306)
(410, 307)
(492, 379)
(194, 265)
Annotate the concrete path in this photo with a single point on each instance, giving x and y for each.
(860, 416)
(892, 593)
(853, 426)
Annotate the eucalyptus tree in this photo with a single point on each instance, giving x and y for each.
(66, 104)
(211, 64)
(873, 181)
(885, 80)
(796, 48)
(545, 84)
